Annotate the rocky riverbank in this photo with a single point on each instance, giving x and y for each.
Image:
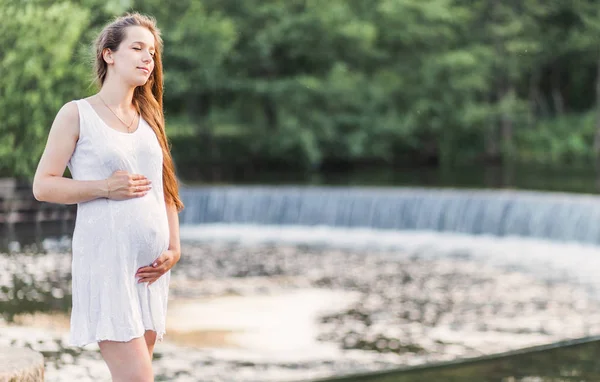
(344, 311)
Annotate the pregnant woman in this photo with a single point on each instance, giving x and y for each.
(126, 237)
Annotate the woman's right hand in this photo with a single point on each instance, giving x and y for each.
(123, 185)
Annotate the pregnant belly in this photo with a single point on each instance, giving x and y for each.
(146, 226)
(136, 228)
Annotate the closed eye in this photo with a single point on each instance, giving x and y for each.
(151, 53)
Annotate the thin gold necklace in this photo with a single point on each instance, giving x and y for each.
(111, 110)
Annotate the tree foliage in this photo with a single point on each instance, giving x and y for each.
(312, 83)
(37, 72)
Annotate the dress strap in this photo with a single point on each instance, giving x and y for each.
(84, 117)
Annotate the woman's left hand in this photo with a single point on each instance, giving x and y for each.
(160, 266)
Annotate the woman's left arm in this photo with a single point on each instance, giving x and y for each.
(167, 259)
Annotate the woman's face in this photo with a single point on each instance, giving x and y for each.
(133, 62)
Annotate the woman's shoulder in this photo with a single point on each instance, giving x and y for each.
(67, 119)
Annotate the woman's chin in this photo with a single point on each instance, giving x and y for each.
(139, 81)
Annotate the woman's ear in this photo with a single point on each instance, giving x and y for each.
(107, 55)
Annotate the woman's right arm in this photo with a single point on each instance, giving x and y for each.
(49, 185)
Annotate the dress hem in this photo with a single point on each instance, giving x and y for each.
(159, 338)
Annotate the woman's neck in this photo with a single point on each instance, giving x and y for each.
(117, 96)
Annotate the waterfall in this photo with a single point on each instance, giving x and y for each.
(554, 216)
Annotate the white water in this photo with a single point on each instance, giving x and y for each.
(575, 262)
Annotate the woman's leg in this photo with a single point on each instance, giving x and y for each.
(127, 361)
(150, 337)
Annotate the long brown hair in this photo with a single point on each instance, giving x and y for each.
(147, 99)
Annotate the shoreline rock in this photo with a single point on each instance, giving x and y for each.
(21, 365)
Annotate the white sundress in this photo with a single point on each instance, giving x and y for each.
(112, 239)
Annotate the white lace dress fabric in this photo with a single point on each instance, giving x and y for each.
(112, 239)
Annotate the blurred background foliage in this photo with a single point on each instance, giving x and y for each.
(316, 85)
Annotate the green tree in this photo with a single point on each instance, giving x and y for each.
(39, 74)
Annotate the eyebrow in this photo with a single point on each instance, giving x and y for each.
(142, 43)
